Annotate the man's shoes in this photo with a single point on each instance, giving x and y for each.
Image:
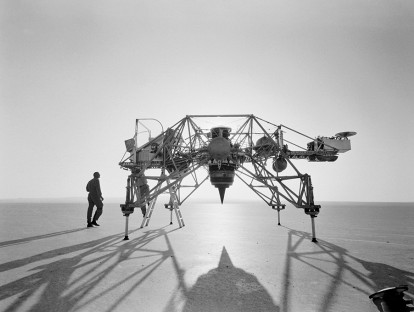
(94, 223)
(89, 225)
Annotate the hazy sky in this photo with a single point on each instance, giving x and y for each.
(75, 75)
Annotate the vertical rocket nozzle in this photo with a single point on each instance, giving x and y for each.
(222, 191)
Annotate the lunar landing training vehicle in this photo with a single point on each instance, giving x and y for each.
(222, 149)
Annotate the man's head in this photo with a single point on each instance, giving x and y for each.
(96, 175)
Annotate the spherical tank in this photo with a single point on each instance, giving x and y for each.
(219, 148)
(263, 142)
(279, 164)
(264, 146)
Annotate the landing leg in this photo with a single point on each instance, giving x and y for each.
(313, 229)
(278, 216)
(170, 208)
(126, 227)
(278, 208)
(173, 205)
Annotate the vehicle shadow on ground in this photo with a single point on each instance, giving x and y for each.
(379, 275)
(51, 286)
(53, 282)
(227, 288)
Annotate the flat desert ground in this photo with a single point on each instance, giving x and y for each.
(227, 257)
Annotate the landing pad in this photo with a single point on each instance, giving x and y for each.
(230, 257)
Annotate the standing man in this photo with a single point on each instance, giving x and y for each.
(94, 199)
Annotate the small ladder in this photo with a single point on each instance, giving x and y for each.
(179, 215)
(150, 210)
(173, 205)
(148, 213)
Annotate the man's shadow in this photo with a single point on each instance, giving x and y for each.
(33, 238)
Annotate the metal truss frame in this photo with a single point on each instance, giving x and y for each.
(182, 151)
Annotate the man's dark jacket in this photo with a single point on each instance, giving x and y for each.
(94, 189)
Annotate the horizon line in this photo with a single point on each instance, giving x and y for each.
(121, 200)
